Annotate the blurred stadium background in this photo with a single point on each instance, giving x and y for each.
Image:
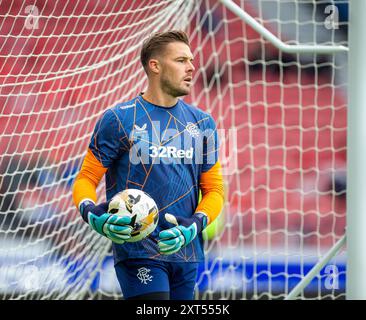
(282, 120)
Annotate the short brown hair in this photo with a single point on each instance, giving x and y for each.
(157, 42)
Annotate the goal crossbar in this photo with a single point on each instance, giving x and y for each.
(278, 43)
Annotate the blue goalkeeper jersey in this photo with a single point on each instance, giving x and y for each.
(162, 151)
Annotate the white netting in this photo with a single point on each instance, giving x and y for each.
(283, 125)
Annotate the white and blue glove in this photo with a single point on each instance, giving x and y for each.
(115, 228)
(172, 240)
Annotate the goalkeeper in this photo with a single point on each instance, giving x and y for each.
(158, 143)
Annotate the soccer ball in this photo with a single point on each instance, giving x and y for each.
(142, 209)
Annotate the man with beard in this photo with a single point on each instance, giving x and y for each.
(157, 143)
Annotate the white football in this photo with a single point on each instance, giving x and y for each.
(141, 207)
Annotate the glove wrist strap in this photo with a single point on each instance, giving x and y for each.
(84, 208)
(201, 219)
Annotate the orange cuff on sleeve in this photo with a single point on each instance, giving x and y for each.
(87, 180)
(212, 187)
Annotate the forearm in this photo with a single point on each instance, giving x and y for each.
(211, 205)
(83, 188)
(87, 180)
(212, 187)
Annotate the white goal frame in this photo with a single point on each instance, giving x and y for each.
(356, 156)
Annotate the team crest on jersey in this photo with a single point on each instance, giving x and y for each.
(143, 274)
(192, 129)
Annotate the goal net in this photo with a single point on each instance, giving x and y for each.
(281, 120)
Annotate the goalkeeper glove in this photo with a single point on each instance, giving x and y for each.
(172, 240)
(115, 228)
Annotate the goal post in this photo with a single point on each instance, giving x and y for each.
(270, 73)
(278, 43)
(316, 269)
(356, 155)
(355, 282)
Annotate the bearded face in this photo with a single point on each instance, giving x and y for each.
(176, 69)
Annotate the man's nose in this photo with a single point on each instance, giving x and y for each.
(191, 66)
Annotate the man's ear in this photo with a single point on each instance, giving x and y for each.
(154, 66)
